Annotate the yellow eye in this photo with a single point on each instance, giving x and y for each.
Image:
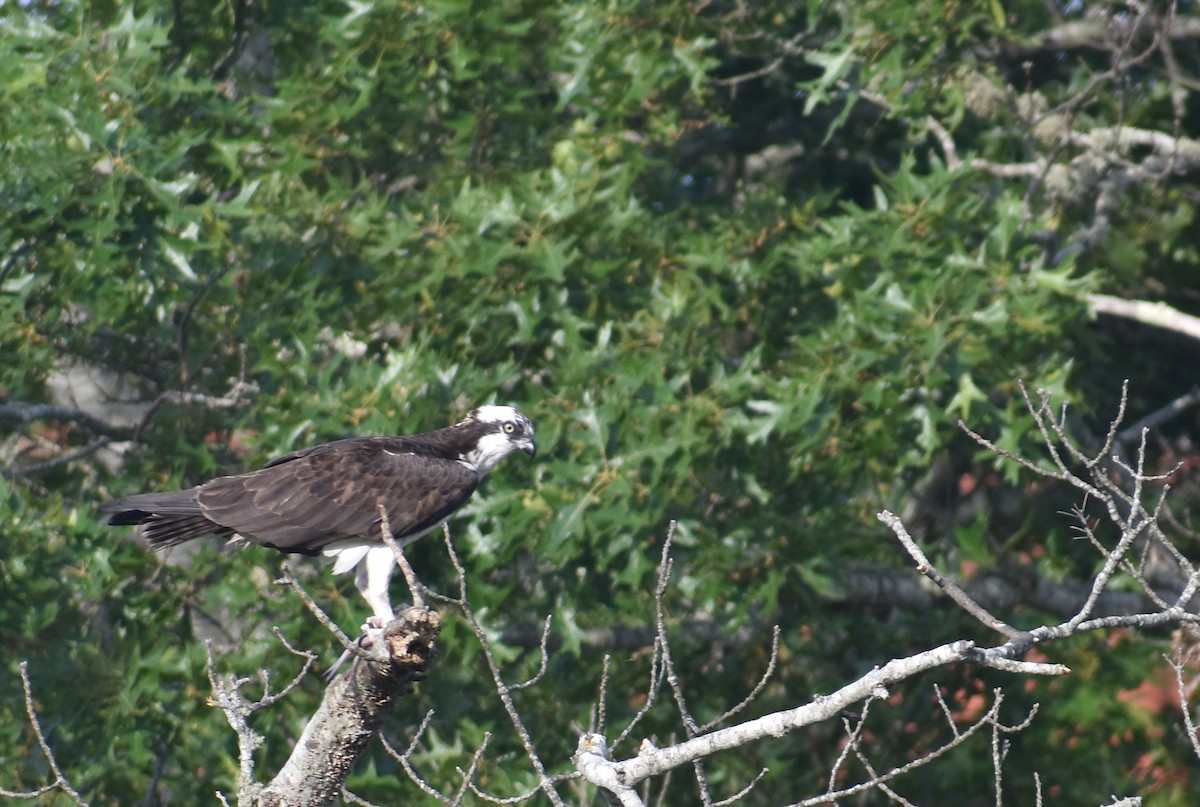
(509, 428)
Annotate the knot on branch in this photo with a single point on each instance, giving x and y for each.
(409, 639)
(398, 656)
(1017, 645)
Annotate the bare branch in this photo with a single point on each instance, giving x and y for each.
(415, 587)
(405, 759)
(852, 738)
(354, 707)
(239, 390)
(1113, 436)
(946, 141)
(600, 723)
(999, 751)
(1189, 724)
(660, 620)
(657, 668)
(949, 586)
(310, 658)
(958, 739)
(754, 693)
(545, 658)
(406, 763)
(228, 698)
(1183, 151)
(348, 644)
(1099, 31)
(1123, 496)
(504, 691)
(469, 774)
(63, 459)
(745, 791)
(1160, 315)
(1008, 455)
(876, 777)
(653, 761)
(591, 760)
(994, 589)
(516, 799)
(60, 780)
(27, 413)
(1160, 416)
(352, 798)
(790, 48)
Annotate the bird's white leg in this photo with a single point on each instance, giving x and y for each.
(372, 578)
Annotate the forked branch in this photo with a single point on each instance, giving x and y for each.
(60, 782)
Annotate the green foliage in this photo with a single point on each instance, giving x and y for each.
(395, 211)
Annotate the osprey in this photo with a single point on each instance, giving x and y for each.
(324, 500)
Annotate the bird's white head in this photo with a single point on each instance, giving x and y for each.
(502, 430)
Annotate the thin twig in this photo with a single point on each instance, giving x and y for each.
(745, 791)
(600, 723)
(504, 691)
(1189, 725)
(754, 693)
(354, 798)
(310, 658)
(545, 659)
(348, 644)
(63, 459)
(26, 413)
(228, 698)
(469, 774)
(852, 737)
(1160, 416)
(952, 589)
(941, 701)
(405, 759)
(60, 780)
(415, 587)
(832, 797)
(691, 727)
(884, 787)
(657, 670)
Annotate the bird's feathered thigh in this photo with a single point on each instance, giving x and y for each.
(305, 501)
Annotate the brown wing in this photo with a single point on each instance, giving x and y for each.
(306, 500)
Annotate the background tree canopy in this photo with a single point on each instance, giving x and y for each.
(744, 265)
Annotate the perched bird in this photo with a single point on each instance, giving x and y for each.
(324, 500)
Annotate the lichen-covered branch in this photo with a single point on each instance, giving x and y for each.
(355, 706)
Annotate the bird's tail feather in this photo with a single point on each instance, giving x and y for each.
(167, 519)
(166, 531)
(174, 503)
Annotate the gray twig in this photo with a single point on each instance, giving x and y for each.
(60, 780)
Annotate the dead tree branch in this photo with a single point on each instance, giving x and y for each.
(60, 780)
(355, 706)
(1160, 315)
(591, 754)
(545, 781)
(25, 414)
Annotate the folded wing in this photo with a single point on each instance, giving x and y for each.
(309, 499)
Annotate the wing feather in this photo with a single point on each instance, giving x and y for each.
(309, 499)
